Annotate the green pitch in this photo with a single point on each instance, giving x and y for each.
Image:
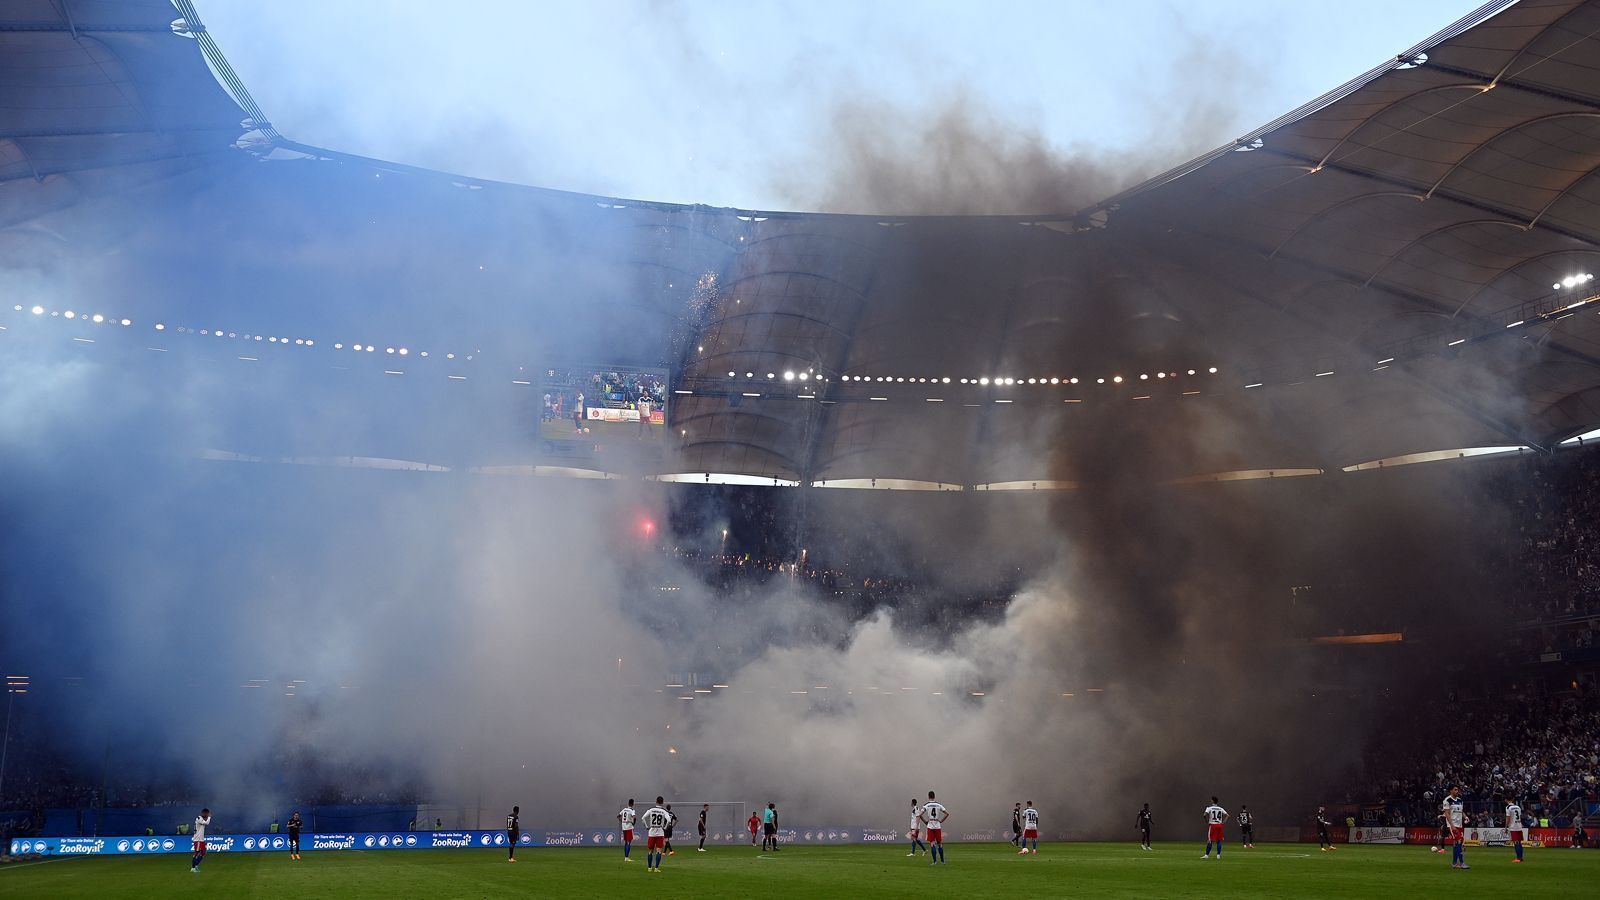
(974, 870)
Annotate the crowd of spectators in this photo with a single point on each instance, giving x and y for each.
(1542, 752)
(1555, 505)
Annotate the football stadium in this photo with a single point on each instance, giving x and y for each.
(1229, 531)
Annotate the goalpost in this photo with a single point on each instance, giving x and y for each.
(724, 822)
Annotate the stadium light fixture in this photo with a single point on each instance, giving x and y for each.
(1256, 385)
(1320, 374)
(1456, 341)
(127, 322)
(1212, 370)
(159, 326)
(403, 350)
(730, 374)
(749, 374)
(1116, 379)
(1161, 374)
(1191, 371)
(946, 380)
(771, 376)
(70, 314)
(1144, 376)
(1072, 381)
(788, 376)
(98, 318)
(984, 380)
(804, 376)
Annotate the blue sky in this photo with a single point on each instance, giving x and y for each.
(738, 104)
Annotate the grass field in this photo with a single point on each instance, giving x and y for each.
(974, 870)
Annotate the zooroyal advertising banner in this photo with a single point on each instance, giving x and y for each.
(405, 840)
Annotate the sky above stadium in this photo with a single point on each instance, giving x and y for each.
(756, 104)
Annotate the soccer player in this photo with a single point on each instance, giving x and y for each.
(672, 821)
(1216, 816)
(1323, 838)
(916, 829)
(1443, 837)
(1144, 827)
(1016, 825)
(934, 815)
(294, 834)
(1247, 828)
(754, 824)
(704, 808)
(656, 821)
(1455, 815)
(1030, 829)
(200, 823)
(1514, 825)
(513, 831)
(625, 819)
(769, 827)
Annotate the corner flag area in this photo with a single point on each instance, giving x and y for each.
(974, 870)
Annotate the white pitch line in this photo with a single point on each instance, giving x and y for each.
(25, 865)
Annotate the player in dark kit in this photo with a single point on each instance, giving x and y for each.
(1247, 828)
(294, 835)
(1144, 827)
(1323, 837)
(672, 819)
(1016, 825)
(704, 808)
(513, 831)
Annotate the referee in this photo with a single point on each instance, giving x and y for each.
(513, 831)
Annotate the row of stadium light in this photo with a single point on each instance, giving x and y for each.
(983, 381)
(1569, 283)
(986, 381)
(283, 340)
(874, 689)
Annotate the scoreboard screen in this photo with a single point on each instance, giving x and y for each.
(586, 411)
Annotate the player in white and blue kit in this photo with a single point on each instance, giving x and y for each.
(1030, 829)
(1216, 817)
(1455, 816)
(1514, 826)
(934, 815)
(916, 829)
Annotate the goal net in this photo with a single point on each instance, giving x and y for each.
(724, 822)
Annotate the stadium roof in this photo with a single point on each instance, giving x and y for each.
(1370, 275)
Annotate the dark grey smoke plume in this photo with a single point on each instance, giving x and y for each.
(956, 156)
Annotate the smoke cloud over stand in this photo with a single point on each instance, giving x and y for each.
(486, 640)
